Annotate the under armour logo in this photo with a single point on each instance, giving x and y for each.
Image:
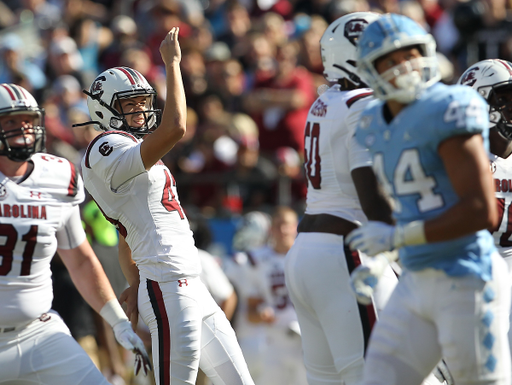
(105, 149)
(35, 194)
(182, 282)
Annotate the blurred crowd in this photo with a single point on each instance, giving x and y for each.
(251, 70)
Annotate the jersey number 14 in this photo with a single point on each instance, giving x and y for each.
(409, 178)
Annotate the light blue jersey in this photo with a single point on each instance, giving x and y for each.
(408, 165)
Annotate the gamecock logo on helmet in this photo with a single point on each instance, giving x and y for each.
(97, 86)
(354, 29)
(470, 78)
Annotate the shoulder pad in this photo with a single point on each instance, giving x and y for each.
(104, 144)
(58, 177)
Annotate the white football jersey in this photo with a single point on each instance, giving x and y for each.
(502, 175)
(240, 271)
(331, 153)
(145, 208)
(214, 278)
(269, 284)
(32, 212)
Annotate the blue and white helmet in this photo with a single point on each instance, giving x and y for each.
(389, 33)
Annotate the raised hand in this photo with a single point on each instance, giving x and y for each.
(170, 47)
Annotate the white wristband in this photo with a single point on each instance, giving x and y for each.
(413, 233)
(113, 313)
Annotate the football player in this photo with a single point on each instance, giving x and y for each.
(492, 78)
(39, 215)
(252, 233)
(269, 304)
(428, 145)
(334, 327)
(136, 191)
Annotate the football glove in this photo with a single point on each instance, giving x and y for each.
(131, 341)
(365, 277)
(377, 237)
(372, 238)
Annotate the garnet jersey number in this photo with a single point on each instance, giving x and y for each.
(6, 250)
(312, 161)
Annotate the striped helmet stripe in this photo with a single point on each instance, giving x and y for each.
(17, 91)
(136, 76)
(506, 65)
(10, 91)
(20, 90)
(127, 73)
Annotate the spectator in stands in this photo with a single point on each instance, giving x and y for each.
(65, 59)
(238, 26)
(15, 64)
(279, 103)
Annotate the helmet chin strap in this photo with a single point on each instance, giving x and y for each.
(101, 102)
(352, 76)
(504, 130)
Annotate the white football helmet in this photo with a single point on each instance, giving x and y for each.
(338, 47)
(15, 99)
(253, 232)
(105, 93)
(492, 78)
(392, 32)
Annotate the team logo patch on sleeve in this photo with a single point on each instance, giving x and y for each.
(105, 149)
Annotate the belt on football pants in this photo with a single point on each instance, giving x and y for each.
(43, 317)
(325, 223)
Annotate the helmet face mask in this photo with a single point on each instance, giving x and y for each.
(19, 143)
(388, 34)
(150, 117)
(500, 101)
(492, 78)
(338, 47)
(104, 101)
